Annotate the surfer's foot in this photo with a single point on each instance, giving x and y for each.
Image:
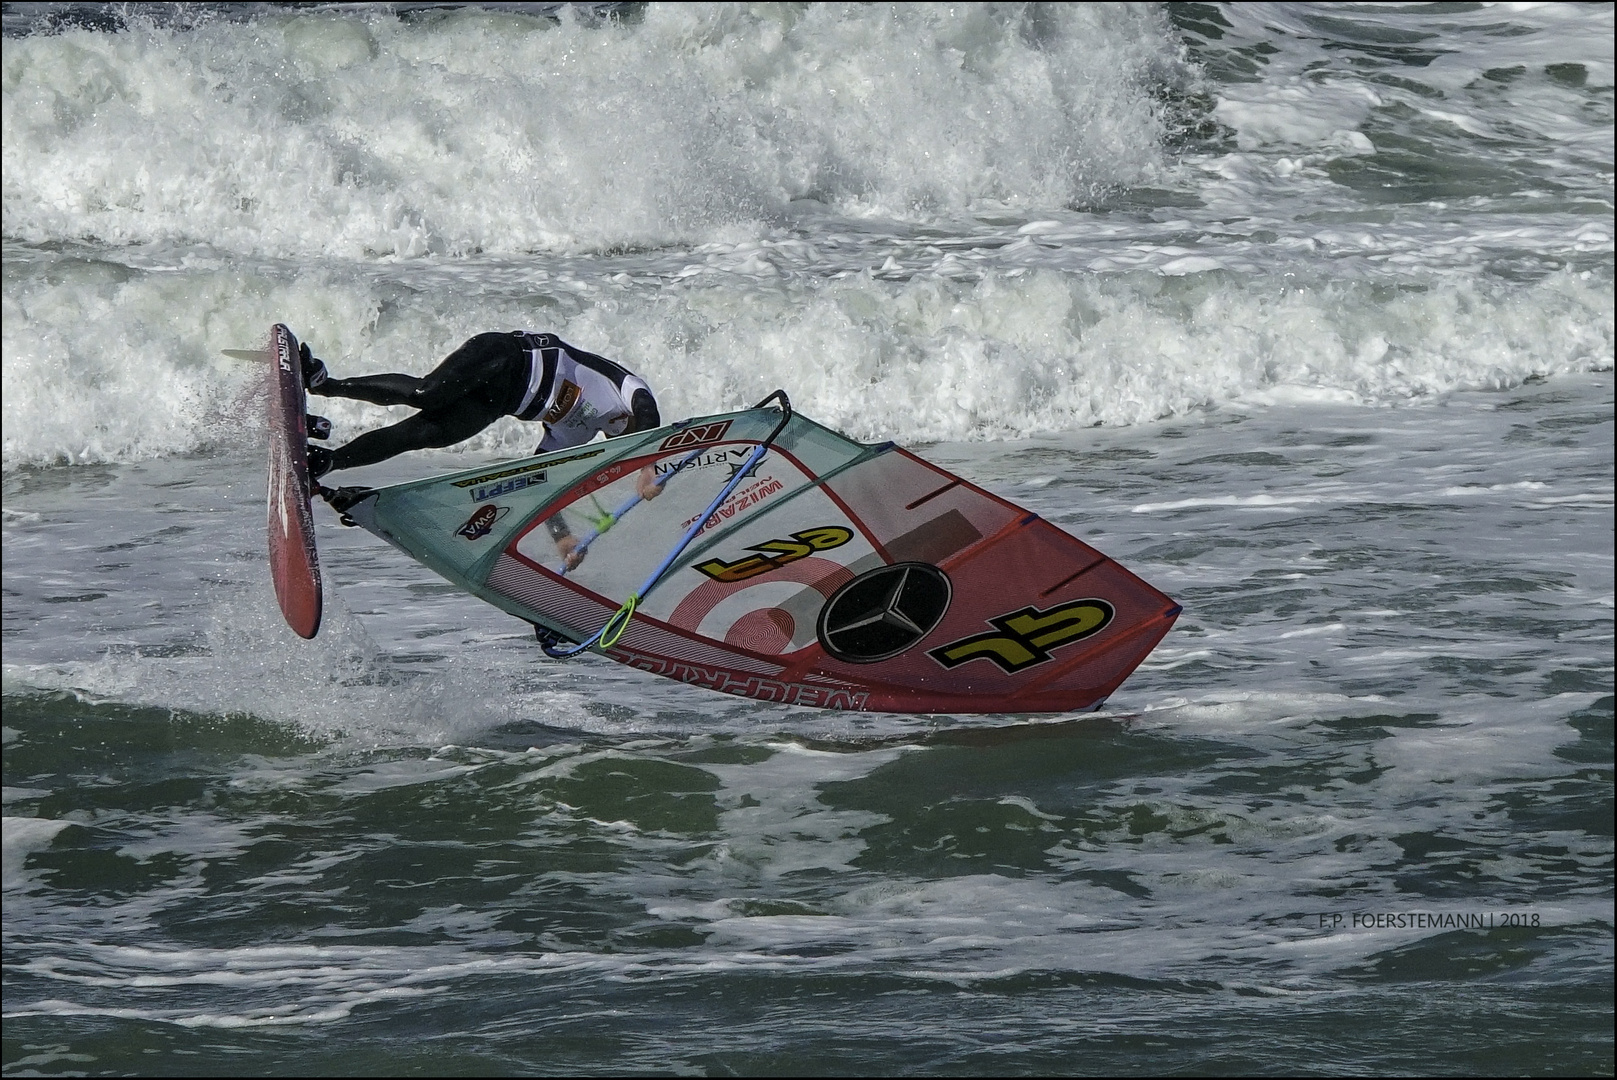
(344, 499)
(319, 461)
(314, 369)
(318, 426)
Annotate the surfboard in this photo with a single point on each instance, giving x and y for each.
(294, 561)
(833, 574)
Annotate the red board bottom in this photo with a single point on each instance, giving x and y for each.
(294, 562)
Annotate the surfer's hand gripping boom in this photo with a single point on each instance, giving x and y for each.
(604, 519)
(613, 628)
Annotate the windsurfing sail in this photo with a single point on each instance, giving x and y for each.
(830, 573)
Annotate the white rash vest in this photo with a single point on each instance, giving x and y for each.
(575, 393)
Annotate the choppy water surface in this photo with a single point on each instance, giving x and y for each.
(1304, 314)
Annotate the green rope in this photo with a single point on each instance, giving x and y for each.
(618, 623)
(603, 519)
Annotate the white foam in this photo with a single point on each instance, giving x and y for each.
(774, 821)
(1490, 74)
(23, 836)
(749, 170)
(363, 135)
(100, 370)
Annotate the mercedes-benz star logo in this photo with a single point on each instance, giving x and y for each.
(879, 614)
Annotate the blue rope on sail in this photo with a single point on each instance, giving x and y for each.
(613, 628)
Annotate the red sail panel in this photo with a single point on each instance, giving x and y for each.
(878, 582)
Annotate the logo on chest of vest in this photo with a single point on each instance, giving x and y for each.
(566, 398)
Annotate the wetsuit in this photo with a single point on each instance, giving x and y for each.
(522, 374)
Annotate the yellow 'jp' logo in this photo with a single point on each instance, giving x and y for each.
(1025, 637)
(777, 553)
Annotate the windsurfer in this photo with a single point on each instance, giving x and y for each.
(537, 377)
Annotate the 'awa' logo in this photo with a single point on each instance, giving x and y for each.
(479, 524)
(1025, 637)
(696, 436)
(777, 553)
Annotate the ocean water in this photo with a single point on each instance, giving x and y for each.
(1303, 313)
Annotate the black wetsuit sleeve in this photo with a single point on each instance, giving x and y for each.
(644, 407)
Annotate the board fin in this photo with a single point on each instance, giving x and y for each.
(246, 354)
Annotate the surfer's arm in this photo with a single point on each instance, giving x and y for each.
(646, 484)
(565, 541)
(644, 417)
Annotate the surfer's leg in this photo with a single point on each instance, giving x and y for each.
(388, 389)
(491, 369)
(488, 368)
(435, 427)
